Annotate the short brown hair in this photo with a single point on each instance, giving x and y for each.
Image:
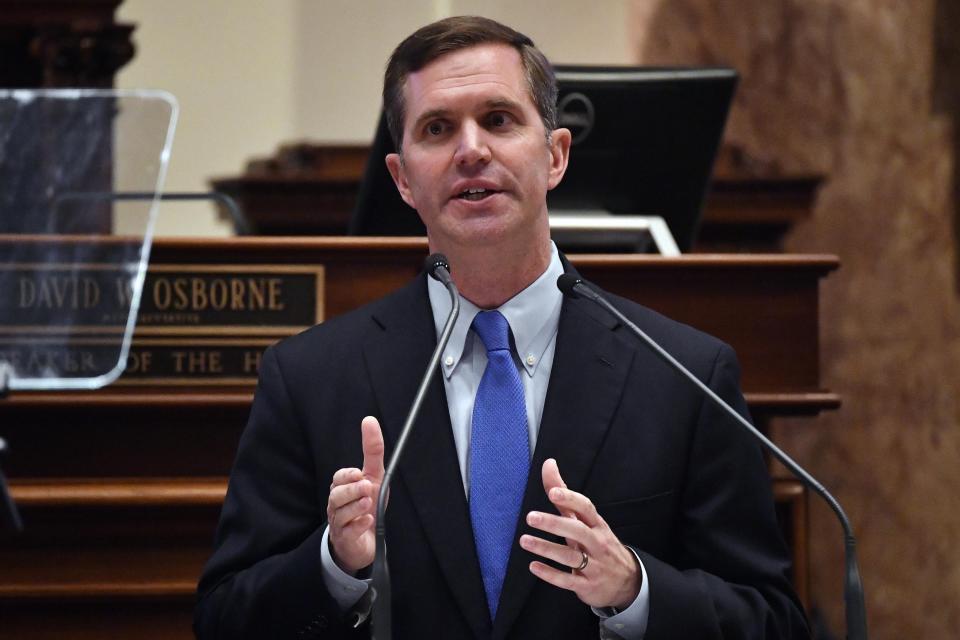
(428, 43)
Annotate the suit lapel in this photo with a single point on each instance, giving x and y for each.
(429, 469)
(586, 383)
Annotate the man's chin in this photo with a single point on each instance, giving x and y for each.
(475, 227)
(481, 233)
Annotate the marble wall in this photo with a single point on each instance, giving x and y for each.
(866, 92)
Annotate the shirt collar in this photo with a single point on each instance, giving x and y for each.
(533, 314)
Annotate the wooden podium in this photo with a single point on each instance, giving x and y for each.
(120, 489)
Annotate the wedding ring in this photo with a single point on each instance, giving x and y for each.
(583, 562)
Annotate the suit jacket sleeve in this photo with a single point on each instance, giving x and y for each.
(727, 528)
(264, 579)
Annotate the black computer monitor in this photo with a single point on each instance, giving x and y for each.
(380, 211)
(644, 143)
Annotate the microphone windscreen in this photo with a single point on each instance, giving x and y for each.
(434, 261)
(566, 283)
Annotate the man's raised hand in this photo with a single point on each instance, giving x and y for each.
(352, 506)
(605, 573)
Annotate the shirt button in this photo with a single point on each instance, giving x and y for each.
(531, 360)
(448, 361)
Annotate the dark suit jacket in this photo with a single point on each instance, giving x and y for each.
(672, 478)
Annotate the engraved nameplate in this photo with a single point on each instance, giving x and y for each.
(176, 299)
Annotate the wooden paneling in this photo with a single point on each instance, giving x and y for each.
(136, 559)
(62, 43)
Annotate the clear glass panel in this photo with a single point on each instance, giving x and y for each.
(80, 172)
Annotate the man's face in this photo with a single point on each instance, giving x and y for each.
(476, 163)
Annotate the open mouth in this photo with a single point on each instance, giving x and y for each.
(476, 194)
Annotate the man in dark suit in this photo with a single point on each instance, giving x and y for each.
(560, 482)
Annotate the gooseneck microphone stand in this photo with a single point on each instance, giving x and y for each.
(437, 266)
(853, 587)
(9, 517)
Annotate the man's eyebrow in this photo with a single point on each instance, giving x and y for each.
(503, 103)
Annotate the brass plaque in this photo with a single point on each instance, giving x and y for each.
(177, 299)
(172, 361)
(151, 361)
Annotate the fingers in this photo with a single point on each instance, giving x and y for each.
(610, 574)
(550, 473)
(355, 489)
(559, 553)
(575, 531)
(346, 515)
(372, 440)
(350, 494)
(350, 517)
(563, 579)
(610, 577)
(345, 476)
(570, 502)
(368, 478)
(356, 527)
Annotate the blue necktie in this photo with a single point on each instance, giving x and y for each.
(499, 454)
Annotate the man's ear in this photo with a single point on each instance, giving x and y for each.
(559, 156)
(395, 166)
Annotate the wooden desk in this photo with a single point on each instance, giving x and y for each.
(120, 488)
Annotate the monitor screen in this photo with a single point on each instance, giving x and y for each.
(644, 143)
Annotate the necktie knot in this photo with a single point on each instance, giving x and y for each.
(493, 329)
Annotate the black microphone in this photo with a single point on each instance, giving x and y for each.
(439, 268)
(574, 287)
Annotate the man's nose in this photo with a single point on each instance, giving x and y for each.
(472, 146)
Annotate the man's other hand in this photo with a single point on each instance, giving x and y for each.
(352, 506)
(611, 577)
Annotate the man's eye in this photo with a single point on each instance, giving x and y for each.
(498, 119)
(434, 128)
